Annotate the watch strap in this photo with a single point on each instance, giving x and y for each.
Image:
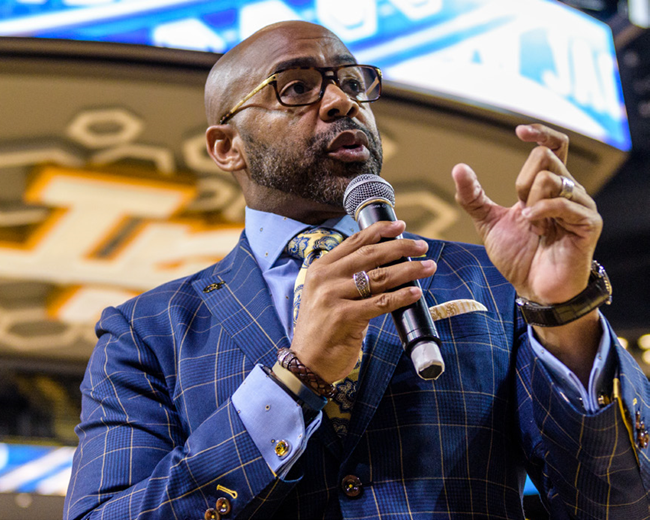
(597, 293)
(310, 403)
(298, 388)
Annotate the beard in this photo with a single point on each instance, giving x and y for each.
(307, 171)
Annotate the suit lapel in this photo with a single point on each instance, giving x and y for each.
(237, 295)
(382, 352)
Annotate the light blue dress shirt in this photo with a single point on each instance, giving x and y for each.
(270, 415)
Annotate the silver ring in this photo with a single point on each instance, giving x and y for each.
(567, 188)
(362, 281)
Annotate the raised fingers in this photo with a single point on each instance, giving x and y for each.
(549, 185)
(555, 141)
(539, 160)
(575, 218)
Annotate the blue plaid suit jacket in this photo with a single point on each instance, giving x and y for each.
(159, 437)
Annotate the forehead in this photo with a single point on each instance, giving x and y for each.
(300, 47)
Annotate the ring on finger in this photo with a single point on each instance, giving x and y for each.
(362, 282)
(567, 188)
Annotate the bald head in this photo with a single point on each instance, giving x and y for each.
(242, 68)
(293, 160)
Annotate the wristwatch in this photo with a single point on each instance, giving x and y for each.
(597, 293)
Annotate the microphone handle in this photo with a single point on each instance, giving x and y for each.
(414, 325)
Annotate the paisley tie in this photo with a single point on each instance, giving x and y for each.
(308, 246)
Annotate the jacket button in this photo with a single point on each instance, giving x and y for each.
(352, 486)
(223, 506)
(211, 514)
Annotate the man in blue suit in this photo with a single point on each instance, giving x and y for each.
(187, 414)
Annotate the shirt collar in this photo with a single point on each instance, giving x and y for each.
(269, 233)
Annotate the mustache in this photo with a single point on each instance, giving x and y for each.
(320, 142)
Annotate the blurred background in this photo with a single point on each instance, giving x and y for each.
(106, 189)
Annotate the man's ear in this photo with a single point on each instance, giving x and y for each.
(225, 147)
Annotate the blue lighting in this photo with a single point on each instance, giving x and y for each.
(534, 57)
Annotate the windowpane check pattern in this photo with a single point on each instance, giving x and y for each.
(160, 438)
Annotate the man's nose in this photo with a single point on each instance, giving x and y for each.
(336, 103)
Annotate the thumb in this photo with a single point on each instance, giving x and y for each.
(470, 194)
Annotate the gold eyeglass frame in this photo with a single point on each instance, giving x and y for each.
(272, 79)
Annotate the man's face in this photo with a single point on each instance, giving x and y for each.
(303, 166)
(312, 151)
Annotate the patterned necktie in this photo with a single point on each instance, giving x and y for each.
(308, 246)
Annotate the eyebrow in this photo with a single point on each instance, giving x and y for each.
(309, 61)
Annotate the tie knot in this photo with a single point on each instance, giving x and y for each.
(310, 244)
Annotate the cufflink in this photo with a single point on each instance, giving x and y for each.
(282, 448)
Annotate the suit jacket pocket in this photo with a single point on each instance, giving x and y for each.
(476, 348)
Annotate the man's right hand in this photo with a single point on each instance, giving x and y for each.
(333, 317)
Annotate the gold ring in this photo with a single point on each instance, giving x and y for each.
(362, 282)
(567, 188)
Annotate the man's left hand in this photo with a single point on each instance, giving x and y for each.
(544, 244)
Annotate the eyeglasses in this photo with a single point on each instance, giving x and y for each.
(300, 86)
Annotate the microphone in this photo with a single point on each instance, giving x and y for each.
(369, 199)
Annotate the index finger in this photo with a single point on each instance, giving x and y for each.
(371, 235)
(556, 141)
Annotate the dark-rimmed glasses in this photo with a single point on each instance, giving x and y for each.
(300, 86)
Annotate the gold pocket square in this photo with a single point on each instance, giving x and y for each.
(454, 308)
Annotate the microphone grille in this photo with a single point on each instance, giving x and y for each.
(364, 188)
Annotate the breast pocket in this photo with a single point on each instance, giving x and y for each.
(477, 349)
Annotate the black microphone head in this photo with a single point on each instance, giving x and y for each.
(365, 188)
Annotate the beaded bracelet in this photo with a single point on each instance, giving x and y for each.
(290, 361)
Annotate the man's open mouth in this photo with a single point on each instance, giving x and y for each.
(349, 146)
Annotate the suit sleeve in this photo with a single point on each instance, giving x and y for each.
(584, 465)
(135, 457)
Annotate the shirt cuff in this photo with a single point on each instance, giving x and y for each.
(600, 377)
(273, 420)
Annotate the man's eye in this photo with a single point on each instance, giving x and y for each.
(352, 86)
(295, 88)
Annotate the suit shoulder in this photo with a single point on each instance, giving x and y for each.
(178, 292)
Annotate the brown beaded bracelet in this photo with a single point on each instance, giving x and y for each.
(290, 361)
